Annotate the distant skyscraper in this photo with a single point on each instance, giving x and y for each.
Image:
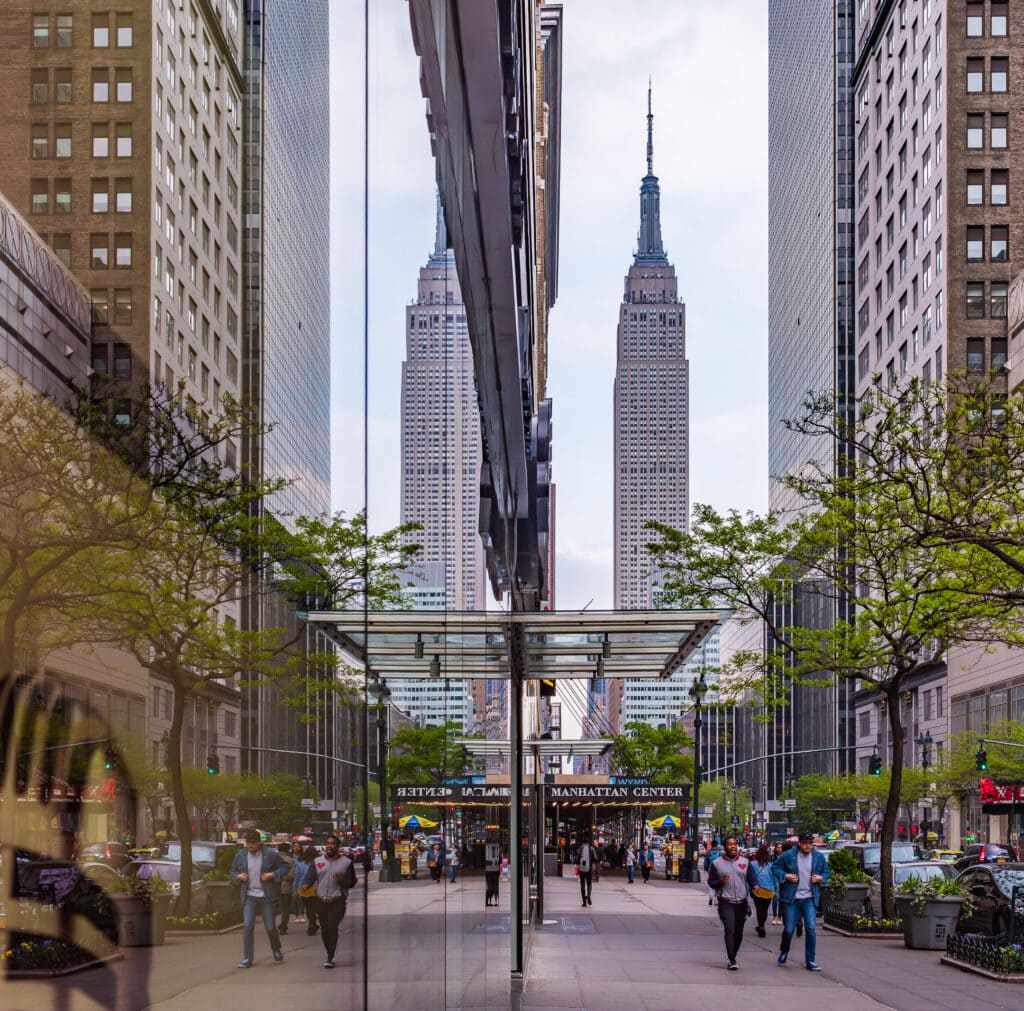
(651, 416)
(441, 456)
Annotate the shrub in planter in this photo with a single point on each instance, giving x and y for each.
(930, 910)
(141, 911)
(847, 884)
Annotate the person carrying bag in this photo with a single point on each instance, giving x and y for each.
(764, 891)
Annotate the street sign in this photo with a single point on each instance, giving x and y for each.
(735, 819)
(308, 802)
(789, 802)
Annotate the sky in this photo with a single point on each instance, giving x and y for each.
(709, 66)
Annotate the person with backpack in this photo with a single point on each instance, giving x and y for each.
(586, 860)
(334, 876)
(710, 857)
(764, 890)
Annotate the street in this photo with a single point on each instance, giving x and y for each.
(651, 946)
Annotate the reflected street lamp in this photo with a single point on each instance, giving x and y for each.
(697, 692)
(382, 694)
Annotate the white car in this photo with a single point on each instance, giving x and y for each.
(170, 871)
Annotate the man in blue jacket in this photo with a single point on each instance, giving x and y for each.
(258, 869)
(800, 871)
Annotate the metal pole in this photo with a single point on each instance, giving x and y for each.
(691, 856)
(515, 820)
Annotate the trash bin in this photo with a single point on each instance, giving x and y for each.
(686, 869)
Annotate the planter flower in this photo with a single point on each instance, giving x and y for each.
(930, 910)
(847, 885)
(140, 911)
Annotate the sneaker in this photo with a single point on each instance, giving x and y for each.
(782, 959)
(761, 932)
(329, 964)
(711, 902)
(246, 963)
(282, 930)
(733, 966)
(813, 967)
(278, 956)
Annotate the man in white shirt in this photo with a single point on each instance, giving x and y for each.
(258, 869)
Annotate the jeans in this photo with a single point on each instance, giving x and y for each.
(792, 913)
(269, 909)
(331, 914)
(733, 915)
(451, 872)
(645, 870)
(630, 870)
(775, 905)
(286, 908)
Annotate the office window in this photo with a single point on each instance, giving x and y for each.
(101, 84)
(123, 190)
(999, 299)
(122, 250)
(65, 32)
(123, 79)
(62, 248)
(1000, 186)
(998, 27)
(122, 361)
(100, 196)
(975, 243)
(975, 17)
(99, 256)
(975, 187)
(1000, 123)
(123, 306)
(40, 31)
(40, 86)
(998, 362)
(124, 31)
(1000, 239)
(975, 308)
(62, 85)
(98, 359)
(100, 140)
(62, 196)
(62, 140)
(1000, 73)
(975, 130)
(124, 140)
(100, 305)
(40, 196)
(975, 76)
(40, 140)
(975, 356)
(100, 31)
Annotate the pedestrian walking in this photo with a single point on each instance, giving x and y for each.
(435, 863)
(452, 863)
(301, 866)
(258, 869)
(334, 875)
(309, 901)
(599, 856)
(732, 876)
(629, 858)
(287, 886)
(800, 872)
(776, 910)
(586, 861)
(504, 867)
(646, 861)
(764, 890)
(710, 857)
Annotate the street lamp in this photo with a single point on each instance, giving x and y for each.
(924, 742)
(697, 692)
(382, 694)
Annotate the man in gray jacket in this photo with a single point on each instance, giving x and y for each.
(258, 869)
(334, 875)
(732, 877)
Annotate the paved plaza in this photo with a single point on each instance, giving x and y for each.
(655, 946)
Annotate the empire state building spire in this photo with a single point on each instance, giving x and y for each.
(650, 250)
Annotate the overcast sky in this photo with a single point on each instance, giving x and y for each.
(708, 61)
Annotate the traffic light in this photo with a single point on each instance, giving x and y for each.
(876, 765)
(547, 688)
(981, 760)
(109, 758)
(212, 764)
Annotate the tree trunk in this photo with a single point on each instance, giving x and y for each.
(892, 803)
(181, 816)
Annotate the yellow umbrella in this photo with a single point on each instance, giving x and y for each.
(415, 821)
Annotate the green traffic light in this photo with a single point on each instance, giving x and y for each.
(982, 760)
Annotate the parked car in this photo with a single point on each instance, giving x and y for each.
(113, 853)
(204, 852)
(946, 856)
(869, 855)
(991, 887)
(170, 871)
(73, 888)
(904, 870)
(985, 853)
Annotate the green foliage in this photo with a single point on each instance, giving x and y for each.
(275, 800)
(660, 754)
(145, 888)
(934, 888)
(843, 871)
(422, 755)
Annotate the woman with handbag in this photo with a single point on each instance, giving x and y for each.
(764, 890)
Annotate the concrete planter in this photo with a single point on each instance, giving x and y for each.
(221, 897)
(929, 928)
(138, 924)
(852, 901)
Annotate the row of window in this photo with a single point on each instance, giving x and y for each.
(999, 185)
(121, 300)
(56, 140)
(61, 188)
(110, 251)
(997, 22)
(58, 83)
(998, 137)
(997, 301)
(998, 243)
(61, 31)
(999, 74)
(976, 354)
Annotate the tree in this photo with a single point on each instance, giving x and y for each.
(901, 600)
(657, 754)
(277, 800)
(728, 799)
(424, 755)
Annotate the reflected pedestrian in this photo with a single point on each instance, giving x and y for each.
(334, 875)
(732, 876)
(629, 860)
(309, 902)
(435, 863)
(586, 860)
(258, 869)
(646, 861)
(764, 891)
(776, 912)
